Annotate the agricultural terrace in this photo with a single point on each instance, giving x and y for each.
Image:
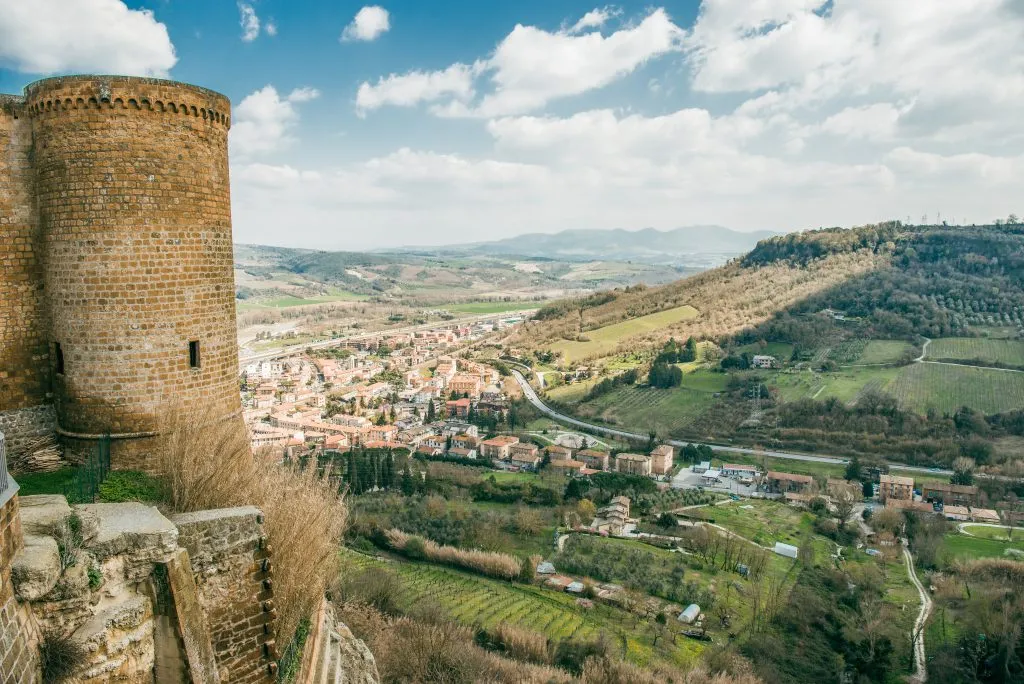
(1005, 352)
(474, 600)
(945, 388)
(603, 341)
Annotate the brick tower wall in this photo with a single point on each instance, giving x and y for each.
(24, 368)
(131, 180)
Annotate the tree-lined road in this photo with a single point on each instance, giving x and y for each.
(532, 397)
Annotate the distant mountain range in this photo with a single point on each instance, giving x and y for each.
(685, 245)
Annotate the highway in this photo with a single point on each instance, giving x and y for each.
(294, 349)
(532, 397)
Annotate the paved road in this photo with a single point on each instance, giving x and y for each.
(920, 664)
(532, 397)
(243, 361)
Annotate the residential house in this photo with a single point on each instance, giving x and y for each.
(780, 483)
(945, 493)
(459, 408)
(764, 361)
(597, 460)
(612, 518)
(497, 448)
(634, 464)
(381, 433)
(524, 449)
(568, 466)
(465, 384)
(464, 441)
(461, 452)
(558, 453)
(661, 459)
(526, 460)
(895, 487)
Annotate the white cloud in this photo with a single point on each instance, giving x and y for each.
(264, 121)
(249, 22)
(369, 24)
(841, 112)
(271, 28)
(531, 67)
(595, 18)
(104, 36)
(414, 87)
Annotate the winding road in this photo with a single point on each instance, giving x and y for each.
(920, 668)
(532, 397)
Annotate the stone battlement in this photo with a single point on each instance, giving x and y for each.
(66, 93)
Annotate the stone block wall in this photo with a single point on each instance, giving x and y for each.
(232, 569)
(19, 663)
(23, 426)
(24, 364)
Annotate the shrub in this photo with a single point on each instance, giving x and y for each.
(516, 642)
(60, 656)
(490, 563)
(212, 466)
(131, 485)
(68, 535)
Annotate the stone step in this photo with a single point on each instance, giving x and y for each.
(36, 568)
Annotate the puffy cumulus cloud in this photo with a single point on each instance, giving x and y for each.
(263, 121)
(839, 113)
(406, 90)
(531, 67)
(249, 22)
(595, 18)
(369, 24)
(104, 36)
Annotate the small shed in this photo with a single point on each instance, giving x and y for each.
(787, 550)
(690, 615)
(702, 467)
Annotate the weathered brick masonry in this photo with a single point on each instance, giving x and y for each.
(115, 255)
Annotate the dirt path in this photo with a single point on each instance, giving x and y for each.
(920, 669)
(924, 350)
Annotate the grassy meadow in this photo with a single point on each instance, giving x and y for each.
(921, 386)
(603, 341)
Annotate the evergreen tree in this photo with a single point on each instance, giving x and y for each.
(408, 484)
(853, 469)
(430, 411)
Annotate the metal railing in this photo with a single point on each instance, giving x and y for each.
(8, 487)
(90, 475)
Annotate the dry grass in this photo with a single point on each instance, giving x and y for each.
(520, 643)
(729, 298)
(490, 563)
(212, 466)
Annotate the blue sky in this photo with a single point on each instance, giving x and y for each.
(359, 126)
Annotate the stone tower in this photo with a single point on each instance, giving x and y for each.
(116, 280)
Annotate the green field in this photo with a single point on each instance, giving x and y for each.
(964, 546)
(603, 341)
(287, 301)
(645, 408)
(492, 307)
(884, 351)
(762, 522)
(994, 533)
(921, 386)
(845, 384)
(475, 600)
(782, 351)
(1008, 352)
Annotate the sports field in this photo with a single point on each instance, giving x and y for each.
(921, 386)
(1008, 352)
(603, 341)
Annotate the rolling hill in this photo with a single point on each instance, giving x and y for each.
(688, 246)
(849, 317)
